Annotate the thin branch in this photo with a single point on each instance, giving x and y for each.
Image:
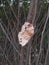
(47, 54)
(36, 2)
(6, 56)
(39, 26)
(21, 57)
(30, 54)
(42, 35)
(38, 11)
(16, 17)
(13, 11)
(13, 33)
(8, 38)
(31, 11)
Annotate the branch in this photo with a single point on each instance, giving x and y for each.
(13, 12)
(8, 38)
(13, 33)
(42, 35)
(36, 2)
(47, 54)
(6, 56)
(31, 11)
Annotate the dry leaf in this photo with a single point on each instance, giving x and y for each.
(26, 33)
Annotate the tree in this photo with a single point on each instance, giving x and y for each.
(12, 17)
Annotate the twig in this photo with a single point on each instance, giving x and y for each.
(6, 56)
(31, 11)
(36, 2)
(42, 35)
(8, 38)
(47, 54)
(13, 11)
(13, 34)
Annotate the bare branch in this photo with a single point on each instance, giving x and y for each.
(36, 2)
(47, 54)
(6, 56)
(9, 38)
(42, 35)
(13, 11)
(31, 10)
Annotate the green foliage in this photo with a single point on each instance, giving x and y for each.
(26, 5)
(44, 4)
